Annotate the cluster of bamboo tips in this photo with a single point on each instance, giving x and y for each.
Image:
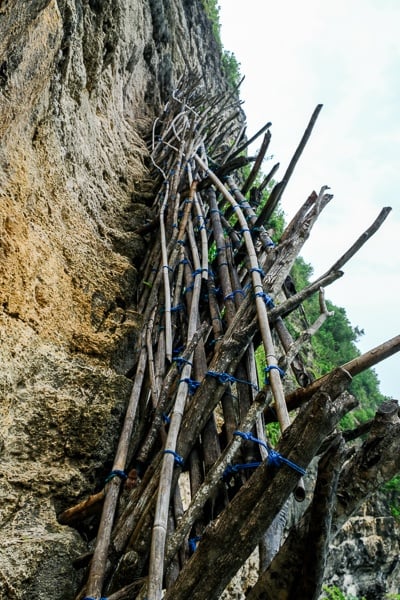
(214, 295)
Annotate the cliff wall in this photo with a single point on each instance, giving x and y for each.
(80, 81)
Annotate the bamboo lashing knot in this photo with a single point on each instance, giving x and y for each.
(257, 270)
(191, 383)
(247, 435)
(276, 459)
(180, 361)
(268, 369)
(232, 295)
(228, 378)
(177, 457)
(267, 299)
(233, 469)
(116, 473)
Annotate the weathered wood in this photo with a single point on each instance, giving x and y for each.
(251, 140)
(151, 511)
(84, 509)
(316, 545)
(357, 365)
(229, 541)
(213, 477)
(257, 165)
(279, 188)
(376, 461)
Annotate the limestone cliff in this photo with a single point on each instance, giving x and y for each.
(80, 81)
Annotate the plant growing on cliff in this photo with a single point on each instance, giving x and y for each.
(229, 61)
(335, 593)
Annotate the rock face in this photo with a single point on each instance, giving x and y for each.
(364, 559)
(80, 81)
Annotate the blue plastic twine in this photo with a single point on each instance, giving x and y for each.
(268, 369)
(116, 473)
(227, 378)
(178, 459)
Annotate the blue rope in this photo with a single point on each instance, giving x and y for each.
(268, 369)
(232, 469)
(198, 272)
(231, 296)
(180, 361)
(267, 299)
(92, 598)
(257, 270)
(275, 459)
(177, 307)
(166, 419)
(247, 435)
(178, 349)
(192, 384)
(168, 267)
(227, 378)
(178, 459)
(193, 543)
(116, 473)
(244, 230)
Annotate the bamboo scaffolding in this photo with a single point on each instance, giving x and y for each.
(204, 256)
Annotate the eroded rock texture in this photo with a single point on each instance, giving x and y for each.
(80, 81)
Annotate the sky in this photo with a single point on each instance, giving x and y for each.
(344, 54)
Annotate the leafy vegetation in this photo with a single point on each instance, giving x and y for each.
(392, 489)
(229, 61)
(335, 344)
(334, 593)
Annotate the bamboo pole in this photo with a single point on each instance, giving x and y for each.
(276, 383)
(213, 478)
(156, 566)
(98, 564)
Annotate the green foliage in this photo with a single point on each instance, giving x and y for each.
(393, 485)
(229, 62)
(212, 11)
(231, 68)
(334, 593)
(335, 344)
(392, 489)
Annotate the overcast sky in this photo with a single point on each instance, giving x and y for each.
(344, 54)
